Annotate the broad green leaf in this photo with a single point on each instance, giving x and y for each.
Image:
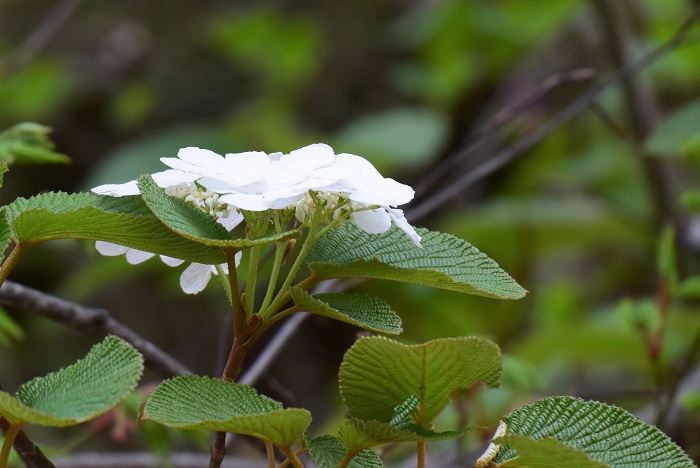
(193, 402)
(444, 261)
(363, 310)
(194, 224)
(378, 375)
(546, 453)
(605, 433)
(29, 143)
(122, 220)
(79, 392)
(328, 452)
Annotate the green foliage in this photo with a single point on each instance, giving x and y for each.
(605, 433)
(362, 310)
(328, 452)
(378, 375)
(677, 130)
(546, 453)
(29, 143)
(124, 220)
(444, 261)
(79, 392)
(192, 402)
(398, 138)
(9, 330)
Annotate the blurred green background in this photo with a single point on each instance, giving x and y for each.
(577, 219)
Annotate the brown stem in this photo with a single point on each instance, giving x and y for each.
(218, 450)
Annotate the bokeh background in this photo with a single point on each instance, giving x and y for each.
(588, 219)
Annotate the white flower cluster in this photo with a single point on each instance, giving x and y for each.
(256, 181)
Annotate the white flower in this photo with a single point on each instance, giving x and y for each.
(193, 279)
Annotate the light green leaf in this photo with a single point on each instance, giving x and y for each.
(29, 143)
(193, 402)
(79, 392)
(378, 375)
(444, 261)
(546, 453)
(194, 224)
(675, 130)
(690, 288)
(397, 138)
(605, 433)
(122, 220)
(363, 310)
(328, 452)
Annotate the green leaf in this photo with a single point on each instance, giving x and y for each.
(328, 452)
(605, 433)
(362, 310)
(675, 130)
(193, 402)
(378, 375)
(79, 392)
(29, 143)
(194, 224)
(444, 261)
(122, 220)
(666, 256)
(396, 138)
(9, 330)
(690, 288)
(546, 453)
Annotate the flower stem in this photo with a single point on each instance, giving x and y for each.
(280, 249)
(346, 460)
(10, 435)
(17, 252)
(253, 261)
(420, 453)
(283, 294)
(270, 450)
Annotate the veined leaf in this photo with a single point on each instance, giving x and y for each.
(362, 310)
(605, 433)
(546, 453)
(328, 452)
(122, 220)
(194, 224)
(444, 261)
(79, 392)
(193, 402)
(378, 375)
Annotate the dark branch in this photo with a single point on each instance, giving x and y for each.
(87, 320)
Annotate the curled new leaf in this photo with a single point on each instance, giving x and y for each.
(444, 261)
(79, 392)
(192, 402)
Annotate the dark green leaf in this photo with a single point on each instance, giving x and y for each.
(328, 452)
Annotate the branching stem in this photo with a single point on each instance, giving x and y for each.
(17, 252)
(10, 435)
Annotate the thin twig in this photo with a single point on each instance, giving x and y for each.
(30, 454)
(87, 320)
(40, 36)
(575, 108)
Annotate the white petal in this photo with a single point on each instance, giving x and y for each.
(202, 158)
(217, 185)
(247, 201)
(173, 177)
(372, 221)
(135, 257)
(118, 190)
(109, 249)
(171, 262)
(384, 192)
(195, 278)
(317, 154)
(401, 221)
